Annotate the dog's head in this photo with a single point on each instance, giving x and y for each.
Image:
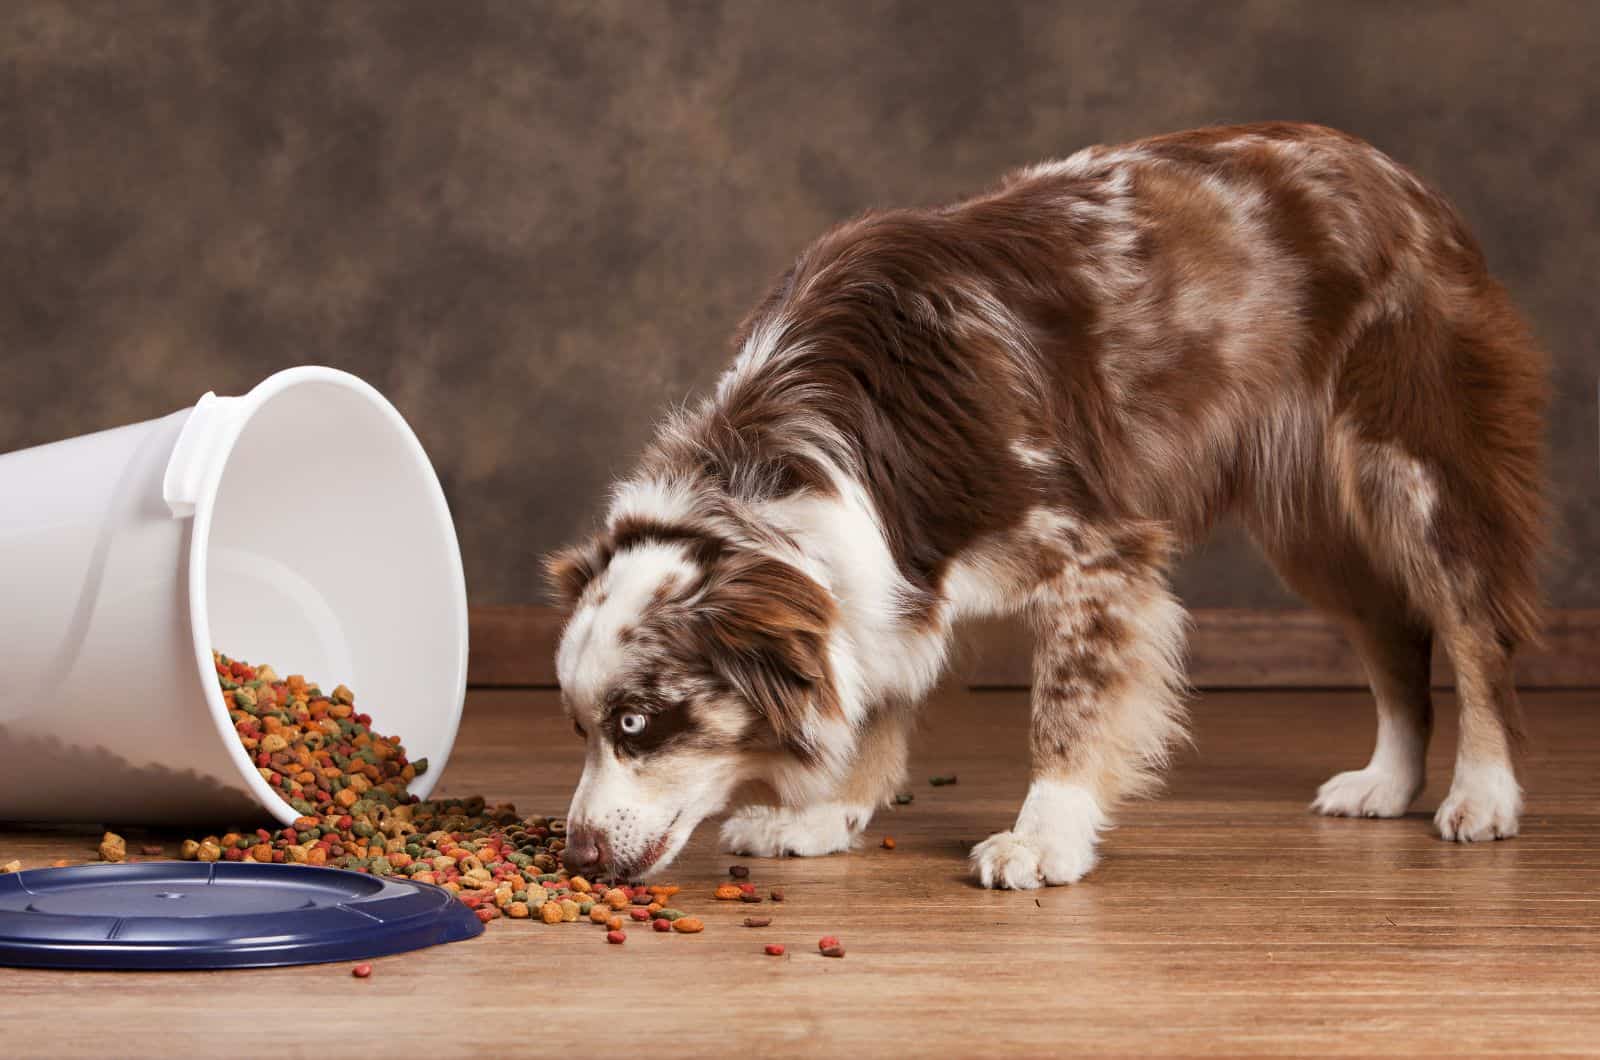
(690, 666)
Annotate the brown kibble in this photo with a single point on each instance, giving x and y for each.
(738, 872)
(727, 892)
(151, 850)
(758, 921)
(689, 925)
(777, 894)
(113, 847)
(189, 851)
(750, 899)
(833, 951)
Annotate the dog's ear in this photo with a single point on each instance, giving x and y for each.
(769, 625)
(569, 571)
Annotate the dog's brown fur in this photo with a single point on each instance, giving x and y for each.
(1052, 387)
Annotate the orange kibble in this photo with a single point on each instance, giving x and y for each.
(888, 842)
(689, 925)
(727, 892)
(617, 898)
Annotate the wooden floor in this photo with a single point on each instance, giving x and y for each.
(1224, 919)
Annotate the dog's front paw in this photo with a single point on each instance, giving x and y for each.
(773, 832)
(1019, 861)
(1369, 792)
(1051, 843)
(1484, 803)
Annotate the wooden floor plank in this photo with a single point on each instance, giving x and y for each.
(1223, 920)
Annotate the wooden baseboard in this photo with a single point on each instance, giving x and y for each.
(514, 646)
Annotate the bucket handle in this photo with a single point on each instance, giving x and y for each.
(206, 438)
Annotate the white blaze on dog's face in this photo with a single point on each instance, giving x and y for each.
(689, 668)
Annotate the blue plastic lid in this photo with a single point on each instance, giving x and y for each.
(178, 915)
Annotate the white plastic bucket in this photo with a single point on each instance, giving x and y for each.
(299, 525)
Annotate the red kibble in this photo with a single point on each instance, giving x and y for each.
(639, 913)
(616, 938)
(662, 924)
(748, 888)
(827, 940)
(361, 971)
(488, 913)
(774, 949)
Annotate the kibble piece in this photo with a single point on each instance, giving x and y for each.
(661, 924)
(208, 851)
(903, 798)
(569, 911)
(827, 940)
(638, 914)
(113, 847)
(517, 910)
(940, 782)
(616, 938)
(581, 885)
(727, 892)
(751, 899)
(60, 863)
(773, 949)
(833, 951)
(738, 872)
(758, 921)
(152, 850)
(361, 971)
(689, 925)
(600, 913)
(189, 850)
(10, 867)
(550, 912)
(888, 842)
(614, 924)
(616, 898)
(777, 894)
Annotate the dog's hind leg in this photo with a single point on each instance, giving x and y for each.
(832, 825)
(1325, 562)
(1107, 703)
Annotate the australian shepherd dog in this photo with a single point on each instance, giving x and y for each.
(1029, 402)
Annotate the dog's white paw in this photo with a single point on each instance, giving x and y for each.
(1370, 792)
(1484, 803)
(1018, 862)
(773, 832)
(1052, 842)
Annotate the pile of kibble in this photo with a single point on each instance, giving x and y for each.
(350, 786)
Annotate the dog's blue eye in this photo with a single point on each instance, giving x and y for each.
(632, 723)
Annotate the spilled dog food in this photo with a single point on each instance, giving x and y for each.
(350, 785)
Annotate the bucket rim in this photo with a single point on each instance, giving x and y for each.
(199, 540)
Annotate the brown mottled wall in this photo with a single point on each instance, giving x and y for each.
(533, 225)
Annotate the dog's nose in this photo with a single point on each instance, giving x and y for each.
(584, 851)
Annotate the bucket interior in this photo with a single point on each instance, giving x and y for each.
(330, 553)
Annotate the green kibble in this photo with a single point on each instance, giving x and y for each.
(940, 782)
(519, 896)
(903, 798)
(584, 907)
(670, 914)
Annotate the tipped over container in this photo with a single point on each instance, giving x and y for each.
(299, 525)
